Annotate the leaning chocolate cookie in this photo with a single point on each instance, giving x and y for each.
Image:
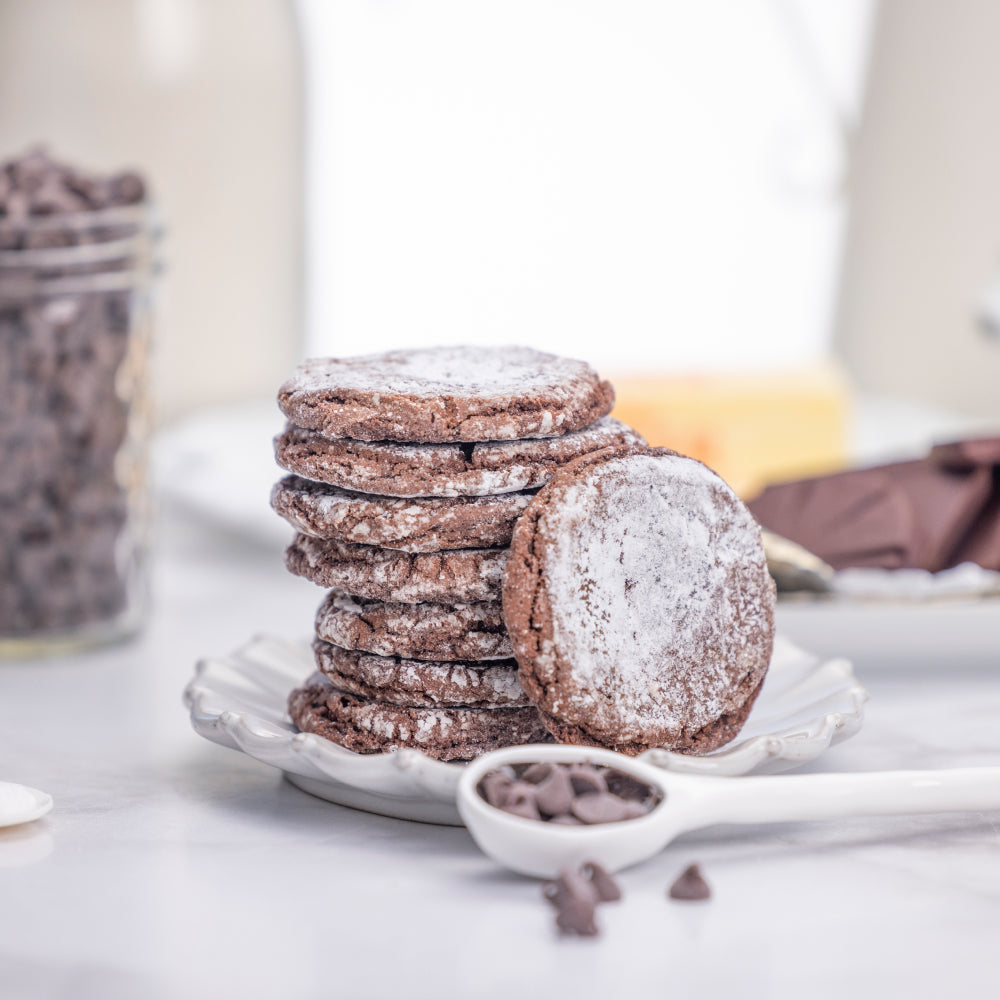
(639, 604)
(458, 576)
(446, 394)
(375, 727)
(488, 468)
(419, 524)
(421, 683)
(427, 631)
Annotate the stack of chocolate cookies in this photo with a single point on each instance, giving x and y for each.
(409, 472)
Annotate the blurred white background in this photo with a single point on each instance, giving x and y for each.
(662, 186)
(667, 188)
(650, 184)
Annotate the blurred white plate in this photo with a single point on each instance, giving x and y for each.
(238, 701)
(21, 804)
(220, 464)
(916, 585)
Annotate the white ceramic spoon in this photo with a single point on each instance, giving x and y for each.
(693, 801)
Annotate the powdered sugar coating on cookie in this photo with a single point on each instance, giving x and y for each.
(446, 394)
(486, 468)
(421, 683)
(428, 631)
(375, 727)
(456, 575)
(639, 603)
(415, 524)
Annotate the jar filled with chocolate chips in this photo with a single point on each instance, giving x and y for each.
(76, 263)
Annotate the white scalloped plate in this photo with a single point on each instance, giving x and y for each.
(238, 701)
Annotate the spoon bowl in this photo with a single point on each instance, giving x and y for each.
(534, 847)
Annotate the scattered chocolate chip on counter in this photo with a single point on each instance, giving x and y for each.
(604, 885)
(576, 893)
(690, 885)
(579, 794)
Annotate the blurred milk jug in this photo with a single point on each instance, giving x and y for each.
(205, 99)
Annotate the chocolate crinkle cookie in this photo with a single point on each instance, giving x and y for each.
(418, 524)
(446, 394)
(639, 604)
(377, 727)
(471, 469)
(458, 576)
(425, 631)
(421, 683)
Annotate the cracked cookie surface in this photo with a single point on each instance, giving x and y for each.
(417, 524)
(392, 469)
(446, 394)
(421, 683)
(427, 631)
(376, 727)
(458, 576)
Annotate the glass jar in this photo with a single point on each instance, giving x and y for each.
(74, 427)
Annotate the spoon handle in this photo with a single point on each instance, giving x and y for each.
(826, 796)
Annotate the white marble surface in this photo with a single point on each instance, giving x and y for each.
(174, 868)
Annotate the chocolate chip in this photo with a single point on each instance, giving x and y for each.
(570, 883)
(94, 192)
(127, 189)
(537, 773)
(626, 786)
(52, 198)
(520, 800)
(635, 810)
(29, 170)
(17, 206)
(604, 885)
(574, 898)
(555, 794)
(586, 779)
(577, 917)
(495, 786)
(599, 807)
(690, 885)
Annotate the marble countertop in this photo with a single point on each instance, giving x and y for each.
(171, 867)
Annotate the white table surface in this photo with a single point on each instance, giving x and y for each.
(171, 867)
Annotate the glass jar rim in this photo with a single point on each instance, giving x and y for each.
(113, 215)
(25, 287)
(121, 259)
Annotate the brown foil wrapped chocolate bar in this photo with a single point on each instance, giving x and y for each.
(931, 513)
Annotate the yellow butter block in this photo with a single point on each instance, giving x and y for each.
(751, 428)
